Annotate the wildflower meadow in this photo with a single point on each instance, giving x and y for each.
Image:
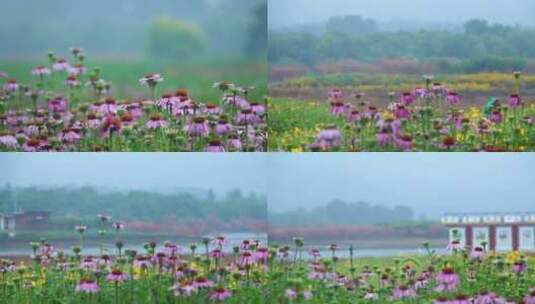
(252, 272)
(428, 117)
(65, 105)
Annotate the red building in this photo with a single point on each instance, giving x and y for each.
(495, 231)
(29, 220)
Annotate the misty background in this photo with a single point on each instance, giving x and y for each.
(190, 194)
(394, 36)
(379, 187)
(284, 13)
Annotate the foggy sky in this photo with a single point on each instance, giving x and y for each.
(430, 183)
(147, 171)
(289, 12)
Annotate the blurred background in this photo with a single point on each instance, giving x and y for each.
(389, 203)
(362, 44)
(158, 197)
(193, 43)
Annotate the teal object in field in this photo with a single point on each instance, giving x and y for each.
(488, 106)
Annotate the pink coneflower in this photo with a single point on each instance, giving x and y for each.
(223, 127)
(234, 142)
(77, 69)
(156, 122)
(236, 101)
(88, 263)
(197, 127)
(248, 117)
(328, 138)
(514, 101)
(171, 249)
(454, 245)
(61, 65)
(110, 125)
(406, 98)
(353, 116)
(219, 241)
(217, 254)
(69, 135)
(72, 81)
(109, 106)
(215, 146)
(127, 119)
(220, 294)
(257, 108)
(403, 292)
(401, 112)
(519, 267)
(32, 145)
(202, 282)
(151, 80)
(477, 253)
(530, 298)
(338, 108)
(315, 253)
(403, 142)
(448, 280)
(437, 88)
(11, 85)
(261, 254)
(496, 117)
(142, 262)
(420, 92)
(212, 109)
(41, 71)
(87, 286)
(93, 121)
(487, 298)
(448, 142)
(246, 258)
(185, 288)
(462, 299)
(453, 98)
(116, 275)
(336, 94)
(58, 104)
(9, 141)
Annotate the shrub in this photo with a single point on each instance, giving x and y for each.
(175, 40)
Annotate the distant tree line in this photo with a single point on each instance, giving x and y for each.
(87, 202)
(480, 46)
(340, 212)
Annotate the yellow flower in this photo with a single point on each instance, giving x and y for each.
(512, 256)
(297, 149)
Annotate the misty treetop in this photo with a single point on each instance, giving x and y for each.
(353, 37)
(340, 212)
(135, 204)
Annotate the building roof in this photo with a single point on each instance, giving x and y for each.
(488, 218)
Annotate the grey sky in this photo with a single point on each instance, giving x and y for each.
(222, 172)
(287, 12)
(430, 183)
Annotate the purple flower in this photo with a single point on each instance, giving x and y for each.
(403, 142)
(215, 146)
(406, 98)
(519, 267)
(234, 142)
(197, 127)
(514, 101)
(383, 138)
(336, 94)
(212, 109)
(236, 101)
(403, 292)
(69, 135)
(448, 280)
(477, 253)
(58, 104)
(72, 81)
(220, 294)
(11, 85)
(257, 108)
(8, 141)
(530, 298)
(328, 138)
(61, 65)
(453, 98)
(338, 108)
(41, 71)
(454, 245)
(353, 116)
(401, 112)
(87, 286)
(156, 122)
(116, 275)
(202, 282)
(223, 127)
(77, 69)
(248, 117)
(496, 117)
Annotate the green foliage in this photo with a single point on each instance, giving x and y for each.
(136, 205)
(175, 40)
(504, 48)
